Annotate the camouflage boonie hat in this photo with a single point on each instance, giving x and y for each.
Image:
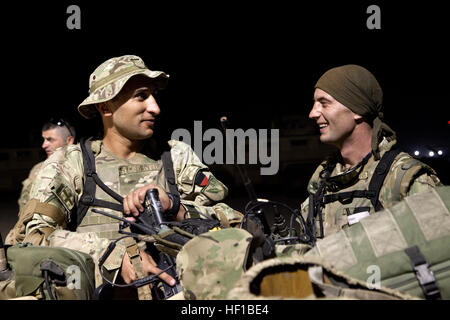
(210, 264)
(109, 78)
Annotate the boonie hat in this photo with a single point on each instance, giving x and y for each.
(109, 78)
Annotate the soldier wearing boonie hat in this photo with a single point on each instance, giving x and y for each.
(60, 210)
(110, 77)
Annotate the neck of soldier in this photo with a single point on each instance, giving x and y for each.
(120, 146)
(356, 146)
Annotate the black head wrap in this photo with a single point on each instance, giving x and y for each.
(357, 89)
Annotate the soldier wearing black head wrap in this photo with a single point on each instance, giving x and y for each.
(369, 172)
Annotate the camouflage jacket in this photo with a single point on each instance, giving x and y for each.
(60, 183)
(27, 183)
(406, 176)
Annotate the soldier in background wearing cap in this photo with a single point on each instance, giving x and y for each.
(369, 172)
(122, 91)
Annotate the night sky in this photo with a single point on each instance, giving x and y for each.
(254, 63)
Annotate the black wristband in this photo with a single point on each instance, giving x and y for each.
(175, 204)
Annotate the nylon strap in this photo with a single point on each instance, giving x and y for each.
(342, 196)
(423, 273)
(91, 181)
(170, 177)
(144, 292)
(380, 174)
(319, 199)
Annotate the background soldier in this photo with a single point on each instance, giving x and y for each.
(122, 91)
(56, 133)
(369, 172)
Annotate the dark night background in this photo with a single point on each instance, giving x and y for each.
(255, 62)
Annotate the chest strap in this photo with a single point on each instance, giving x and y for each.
(373, 192)
(172, 183)
(91, 180)
(379, 176)
(318, 200)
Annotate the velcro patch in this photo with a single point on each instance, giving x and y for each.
(201, 179)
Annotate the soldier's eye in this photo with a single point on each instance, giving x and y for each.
(142, 95)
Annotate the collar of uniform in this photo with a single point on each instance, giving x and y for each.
(385, 145)
(96, 147)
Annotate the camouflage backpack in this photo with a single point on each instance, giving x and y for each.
(406, 246)
(48, 273)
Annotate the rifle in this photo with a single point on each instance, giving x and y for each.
(280, 232)
(152, 226)
(149, 227)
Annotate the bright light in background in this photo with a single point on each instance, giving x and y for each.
(416, 153)
(440, 152)
(431, 154)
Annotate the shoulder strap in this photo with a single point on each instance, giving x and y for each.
(379, 176)
(171, 181)
(91, 180)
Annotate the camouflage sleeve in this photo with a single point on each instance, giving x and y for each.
(26, 185)
(58, 183)
(199, 189)
(423, 183)
(220, 211)
(195, 181)
(407, 177)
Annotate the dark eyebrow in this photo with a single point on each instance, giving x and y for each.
(323, 99)
(142, 89)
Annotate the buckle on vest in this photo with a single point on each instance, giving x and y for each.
(427, 281)
(87, 199)
(424, 274)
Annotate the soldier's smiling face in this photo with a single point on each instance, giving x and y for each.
(336, 121)
(134, 109)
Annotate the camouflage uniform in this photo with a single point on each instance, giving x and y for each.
(60, 181)
(27, 183)
(406, 176)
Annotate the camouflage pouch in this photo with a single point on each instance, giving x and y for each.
(404, 246)
(50, 273)
(300, 278)
(210, 264)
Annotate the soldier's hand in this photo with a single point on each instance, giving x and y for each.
(133, 202)
(149, 265)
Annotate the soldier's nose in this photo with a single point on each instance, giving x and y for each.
(314, 113)
(152, 106)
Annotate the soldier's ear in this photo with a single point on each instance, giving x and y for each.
(358, 118)
(104, 109)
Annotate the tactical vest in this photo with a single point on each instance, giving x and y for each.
(319, 200)
(96, 192)
(346, 205)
